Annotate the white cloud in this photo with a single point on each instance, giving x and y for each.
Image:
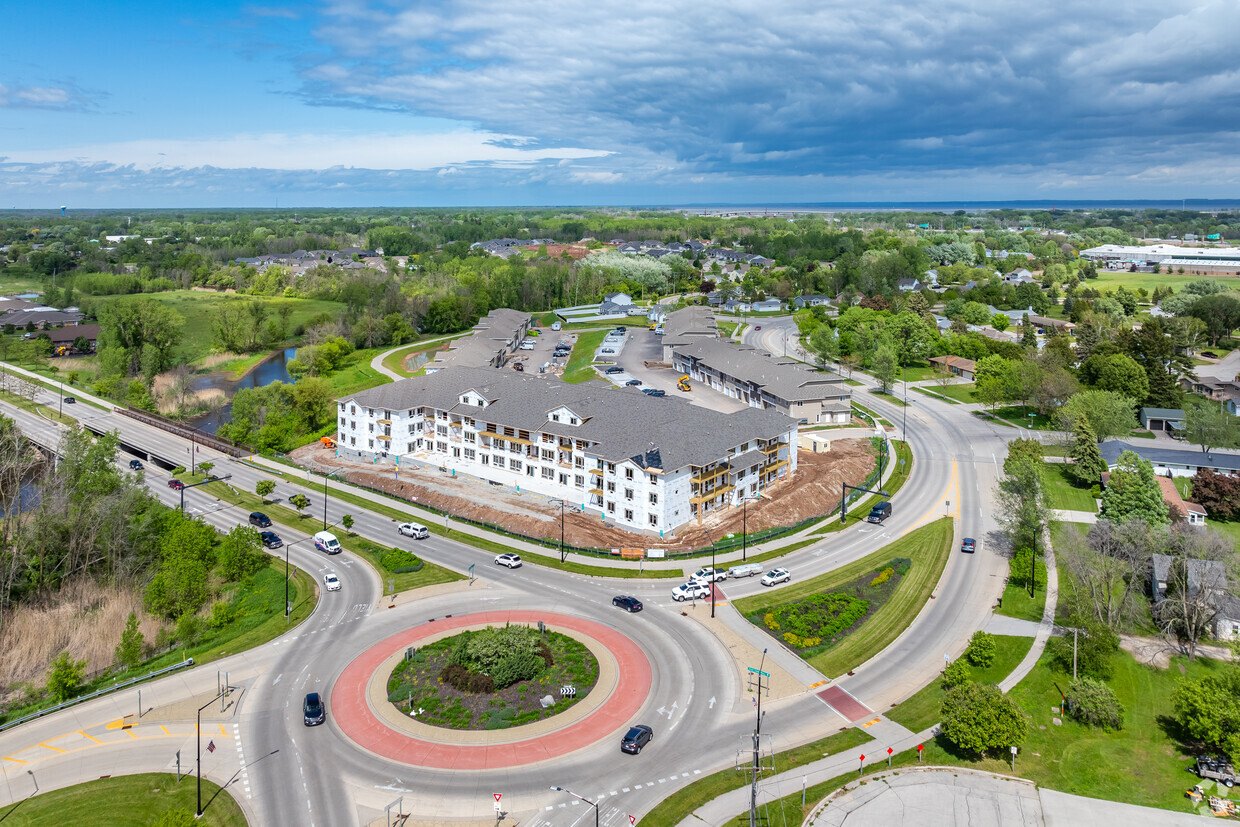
(280, 151)
(42, 97)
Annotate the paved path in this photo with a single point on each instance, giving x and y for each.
(937, 797)
(1045, 629)
(1065, 516)
(377, 362)
(1013, 626)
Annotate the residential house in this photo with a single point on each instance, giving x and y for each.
(1225, 392)
(1193, 513)
(1162, 419)
(68, 335)
(811, 300)
(768, 306)
(956, 365)
(907, 285)
(1019, 276)
(1173, 462)
(932, 277)
(1210, 575)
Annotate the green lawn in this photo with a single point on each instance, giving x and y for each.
(935, 393)
(678, 806)
(922, 710)
(918, 371)
(1108, 280)
(126, 801)
(1184, 485)
(395, 361)
(1062, 492)
(1017, 602)
(197, 306)
(1231, 530)
(961, 393)
(928, 547)
(580, 360)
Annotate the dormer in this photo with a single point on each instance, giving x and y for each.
(473, 398)
(564, 415)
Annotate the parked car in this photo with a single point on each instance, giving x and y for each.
(271, 539)
(776, 576)
(690, 591)
(260, 520)
(629, 604)
(512, 561)
(632, 383)
(135, 465)
(708, 575)
(613, 371)
(175, 485)
(636, 738)
(314, 711)
(607, 350)
(968, 545)
(417, 532)
(332, 582)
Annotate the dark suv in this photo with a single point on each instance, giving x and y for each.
(636, 738)
(260, 520)
(271, 539)
(314, 710)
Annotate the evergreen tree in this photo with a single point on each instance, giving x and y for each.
(1028, 336)
(130, 650)
(1087, 459)
(1133, 493)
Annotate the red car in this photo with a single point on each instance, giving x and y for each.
(176, 485)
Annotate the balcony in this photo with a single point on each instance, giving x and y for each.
(771, 449)
(598, 471)
(707, 476)
(494, 435)
(714, 493)
(384, 421)
(384, 437)
(598, 492)
(772, 466)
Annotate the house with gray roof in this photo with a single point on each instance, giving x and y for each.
(648, 464)
(1195, 576)
(763, 381)
(494, 338)
(1171, 462)
(811, 300)
(1162, 419)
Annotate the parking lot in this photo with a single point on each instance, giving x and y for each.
(538, 351)
(641, 345)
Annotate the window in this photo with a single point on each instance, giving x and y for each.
(579, 481)
(555, 417)
(441, 447)
(413, 429)
(372, 444)
(628, 514)
(499, 461)
(579, 462)
(611, 507)
(654, 519)
(572, 421)
(611, 468)
(342, 421)
(486, 459)
(611, 488)
(456, 452)
(548, 473)
(372, 427)
(628, 494)
(563, 479)
(353, 409)
(654, 499)
(408, 447)
(352, 440)
(370, 412)
(529, 470)
(471, 454)
(515, 465)
(628, 473)
(514, 448)
(469, 437)
(548, 455)
(442, 430)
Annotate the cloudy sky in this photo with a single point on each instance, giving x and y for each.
(491, 102)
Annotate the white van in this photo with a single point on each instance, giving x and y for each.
(555, 325)
(326, 542)
(745, 570)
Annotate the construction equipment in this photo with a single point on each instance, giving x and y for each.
(63, 350)
(683, 383)
(1216, 769)
(327, 442)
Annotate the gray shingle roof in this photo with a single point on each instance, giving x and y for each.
(1112, 448)
(789, 382)
(621, 423)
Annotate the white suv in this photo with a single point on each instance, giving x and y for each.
(708, 575)
(690, 591)
(776, 576)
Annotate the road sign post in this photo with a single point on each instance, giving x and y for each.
(861, 768)
(1013, 759)
(920, 747)
(889, 751)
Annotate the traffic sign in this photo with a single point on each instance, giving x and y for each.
(498, 796)
(889, 750)
(759, 672)
(632, 819)
(920, 747)
(863, 757)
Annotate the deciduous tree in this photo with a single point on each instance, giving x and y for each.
(981, 720)
(1110, 414)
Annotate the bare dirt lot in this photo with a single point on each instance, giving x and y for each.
(813, 490)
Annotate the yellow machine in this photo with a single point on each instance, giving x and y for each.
(327, 442)
(683, 383)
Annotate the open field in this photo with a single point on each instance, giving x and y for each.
(580, 360)
(1110, 280)
(126, 801)
(922, 709)
(928, 547)
(1062, 492)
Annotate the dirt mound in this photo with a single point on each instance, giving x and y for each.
(814, 490)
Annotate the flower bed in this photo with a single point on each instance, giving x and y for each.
(493, 678)
(817, 622)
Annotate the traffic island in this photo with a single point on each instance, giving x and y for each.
(362, 710)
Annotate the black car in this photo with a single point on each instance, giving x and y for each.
(613, 371)
(271, 539)
(636, 738)
(135, 465)
(69, 400)
(968, 545)
(632, 383)
(314, 710)
(259, 519)
(629, 604)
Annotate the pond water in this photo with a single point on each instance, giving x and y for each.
(272, 369)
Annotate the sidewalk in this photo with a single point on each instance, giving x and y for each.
(1065, 516)
(1045, 628)
(68, 390)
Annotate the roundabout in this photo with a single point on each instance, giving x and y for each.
(364, 715)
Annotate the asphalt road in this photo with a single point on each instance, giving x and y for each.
(700, 712)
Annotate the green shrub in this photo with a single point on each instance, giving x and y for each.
(222, 613)
(398, 561)
(1095, 491)
(883, 576)
(818, 616)
(981, 651)
(1092, 702)
(956, 673)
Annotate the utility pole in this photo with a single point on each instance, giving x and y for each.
(711, 540)
(759, 682)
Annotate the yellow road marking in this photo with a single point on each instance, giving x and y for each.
(49, 746)
(872, 723)
(91, 737)
(119, 723)
(951, 493)
(165, 729)
(817, 683)
(222, 730)
(14, 760)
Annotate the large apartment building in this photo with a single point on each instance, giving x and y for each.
(648, 464)
(494, 338)
(766, 382)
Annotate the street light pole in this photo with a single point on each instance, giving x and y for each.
(593, 804)
(198, 729)
(181, 491)
(325, 502)
(563, 556)
(711, 540)
(744, 529)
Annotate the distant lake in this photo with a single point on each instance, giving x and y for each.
(272, 369)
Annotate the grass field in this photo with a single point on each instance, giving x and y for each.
(677, 807)
(579, 361)
(961, 393)
(126, 801)
(936, 393)
(922, 709)
(1110, 280)
(197, 306)
(1017, 602)
(1062, 492)
(928, 547)
(395, 360)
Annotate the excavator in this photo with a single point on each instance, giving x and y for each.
(683, 383)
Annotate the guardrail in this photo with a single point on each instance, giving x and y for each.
(226, 446)
(96, 694)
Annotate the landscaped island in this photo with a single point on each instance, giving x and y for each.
(493, 678)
